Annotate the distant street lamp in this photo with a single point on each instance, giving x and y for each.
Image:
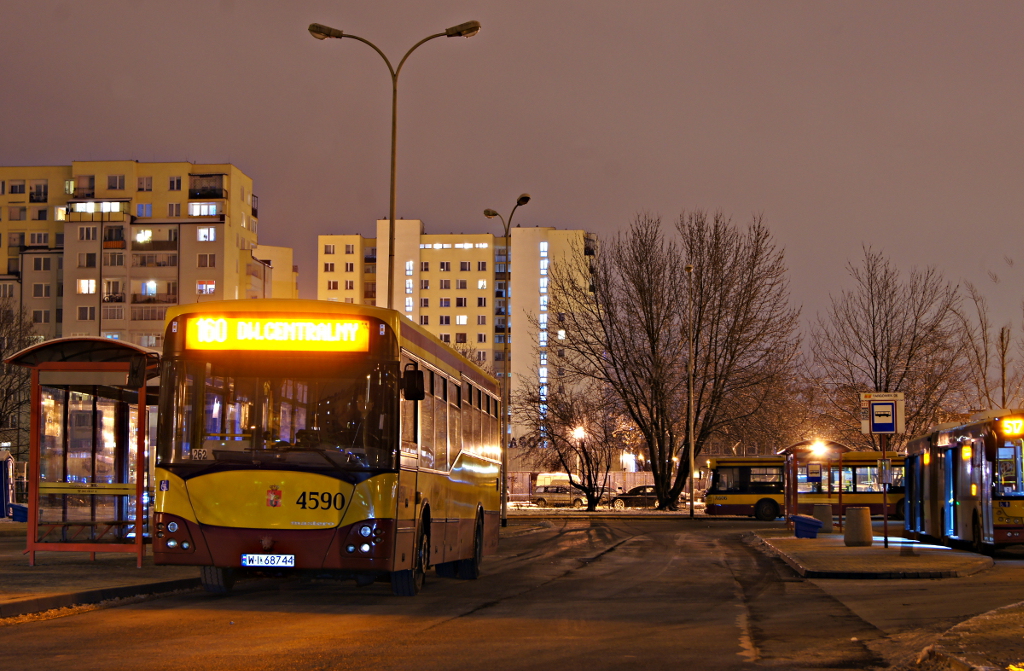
(322, 32)
(505, 384)
(689, 377)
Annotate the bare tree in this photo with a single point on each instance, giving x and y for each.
(575, 428)
(627, 323)
(890, 334)
(15, 334)
(996, 380)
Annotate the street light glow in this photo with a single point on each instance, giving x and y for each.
(578, 433)
(819, 448)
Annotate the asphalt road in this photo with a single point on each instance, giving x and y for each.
(580, 594)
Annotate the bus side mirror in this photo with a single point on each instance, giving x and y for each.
(412, 383)
(991, 442)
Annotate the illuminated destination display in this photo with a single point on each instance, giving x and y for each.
(278, 334)
(1013, 426)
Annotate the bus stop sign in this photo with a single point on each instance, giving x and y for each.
(881, 412)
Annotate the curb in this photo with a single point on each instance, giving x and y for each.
(43, 603)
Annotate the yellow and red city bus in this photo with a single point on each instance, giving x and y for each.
(965, 484)
(755, 486)
(299, 434)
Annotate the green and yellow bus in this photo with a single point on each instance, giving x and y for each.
(755, 486)
(308, 435)
(965, 482)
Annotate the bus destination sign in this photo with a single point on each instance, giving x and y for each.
(278, 334)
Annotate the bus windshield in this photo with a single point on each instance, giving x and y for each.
(292, 415)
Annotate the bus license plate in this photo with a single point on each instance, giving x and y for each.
(268, 560)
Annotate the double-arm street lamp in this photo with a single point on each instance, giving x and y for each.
(505, 382)
(322, 32)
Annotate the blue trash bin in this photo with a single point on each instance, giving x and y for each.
(18, 512)
(805, 526)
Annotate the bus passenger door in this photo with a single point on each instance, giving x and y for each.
(949, 494)
(407, 506)
(987, 533)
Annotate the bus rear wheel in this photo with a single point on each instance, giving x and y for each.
(899, 510)
(766, 510)
(217, 580)
(410, 581)
(469, 569)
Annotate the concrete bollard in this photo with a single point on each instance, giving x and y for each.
(858, 527)
(823, 512)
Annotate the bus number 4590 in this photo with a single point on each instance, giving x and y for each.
(318, 500)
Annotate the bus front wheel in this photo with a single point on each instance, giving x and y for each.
(766, 510)
(410, 581)
(216, 580)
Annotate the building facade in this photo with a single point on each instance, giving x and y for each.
(105, 247)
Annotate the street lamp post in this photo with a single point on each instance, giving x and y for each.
(689, 378)
(322, 32)
(505, 384)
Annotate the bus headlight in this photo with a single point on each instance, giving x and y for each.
(172, 526)
(365, 547)
(171, 543)
(365, 531)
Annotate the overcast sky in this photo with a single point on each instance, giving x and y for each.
(891, 124)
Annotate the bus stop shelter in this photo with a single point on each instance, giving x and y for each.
(809, 462)
(88, 438)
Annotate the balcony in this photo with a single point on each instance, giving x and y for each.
(499, 293)
(84, 192)
(113, 244)
(207, 193)
(500, 311)
(154, 298)
(155, 246)
(370, 294)
(37, 196)
(113, 298)
(369, 259)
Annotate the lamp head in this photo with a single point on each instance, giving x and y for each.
(467, 29)
(490, 214)
(523, 199)
(687, 268)
(322, 32)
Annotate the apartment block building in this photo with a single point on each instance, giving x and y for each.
(285, 273)
(104, 247)
(454, 285)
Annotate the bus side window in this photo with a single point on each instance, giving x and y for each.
(728, 479)
(409, 417)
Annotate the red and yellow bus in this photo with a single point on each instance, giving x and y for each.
(308, 435)
(755, 486)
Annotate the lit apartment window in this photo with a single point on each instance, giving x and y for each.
(332, 285)
(543, 302)
(205, 287)
(350, 249)
(561, 334)
(424, 266)
(543, 285)
(464, 266)
(424, 320)
(60, 213)
(328, 249)
(408, 305)
(351, 268)
(481, 284)
(145, 183)
(542, 338)
(481, 320)
(173, 209)
(481, 337)
(543, 266)
(445, 303)
(446, 266)
(207, 260)
(460, 302)
(86, 286)
(408, 267)
(86, 232)
(202, 209)
(87, 313)
(115, 182)
(481, 266)
(40, 316)
(144, 235)
(174, 184)
(444, 320)
(460, 320)
(424, 302)
(408, 286)
(481, 302)
(543, 250)
(206, 234)
(424, 284)
(328, 267)
(85, 260)
(350, 285)
(144, 210)
(460, 338)
(40, 291)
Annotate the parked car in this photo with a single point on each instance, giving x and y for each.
(558, 495)
(642, 497)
